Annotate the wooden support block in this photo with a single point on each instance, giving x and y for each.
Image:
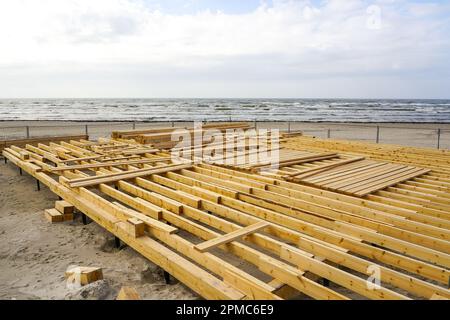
(68, 217)
(84, 275)
(128, 293)
(135, 227)
(24, 155)
(54, 215)
(207, 245)
(64, 207)
(152, 210)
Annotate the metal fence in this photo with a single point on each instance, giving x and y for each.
(402, 134)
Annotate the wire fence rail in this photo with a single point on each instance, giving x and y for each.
(410, 135)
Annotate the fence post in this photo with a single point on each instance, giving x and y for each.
(329, 133)
(173, 124)
(289, 127)
(378, 134)
(255, 124)
(28, 132)
(86, 129)
(439, 139)
(134, 125)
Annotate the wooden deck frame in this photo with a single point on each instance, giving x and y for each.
(222, 198)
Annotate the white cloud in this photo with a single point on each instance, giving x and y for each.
(290, 42)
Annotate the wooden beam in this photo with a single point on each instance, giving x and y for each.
(35, 141)
(299, 160)
(313, 171)
(229, 237)
(108, 164)
(126, 175)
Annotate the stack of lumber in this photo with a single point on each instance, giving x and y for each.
(161, 137)
(165, 140)
(426, 193)
(292, 134)
(244, 155)
(359, 178)
(292, 157)
(229, 234)
(437, 160)
(132, 134)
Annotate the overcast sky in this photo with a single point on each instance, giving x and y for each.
(228, 48)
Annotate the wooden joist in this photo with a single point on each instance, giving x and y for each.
(34, 141)
(91, 181)
(436, 160)
(298, 160)
(320, 169)
(108, 164)
(354, 176)
(210, 244)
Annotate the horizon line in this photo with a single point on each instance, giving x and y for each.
(224, 98)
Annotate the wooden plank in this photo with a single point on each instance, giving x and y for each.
(294, 161)
(367, 178)
(81, 159)
(391, 183)
(344, 173)
(313, 171)
(35, 141)
(139, 151)
(348, 176)
(128, 213)
(127, 175)
(208, 245)
(108, 164)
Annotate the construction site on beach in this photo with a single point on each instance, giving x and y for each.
(334, 220)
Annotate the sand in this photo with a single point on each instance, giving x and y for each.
(418, 135)
(34, 254)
